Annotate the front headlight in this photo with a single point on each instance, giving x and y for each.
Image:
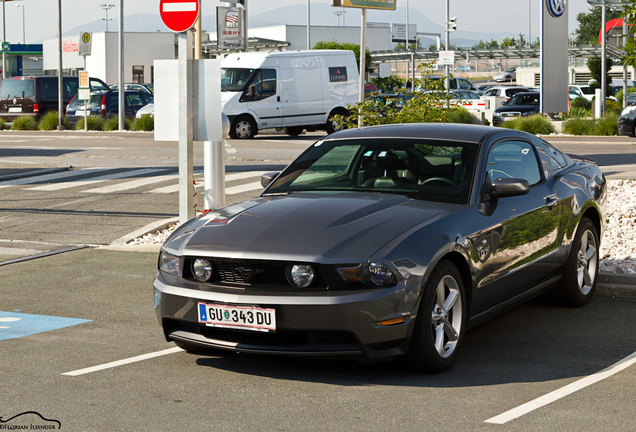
(202, 269)
(301, 275)
(377, 274)
(169, 263)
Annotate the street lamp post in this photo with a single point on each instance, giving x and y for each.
(106, 7)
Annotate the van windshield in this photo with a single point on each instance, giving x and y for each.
(17, 88)
(234, 79)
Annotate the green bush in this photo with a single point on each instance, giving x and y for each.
(459, 115)
(578, 126)
(578, 112)
(112, 124)
(24, 123)
(613, 107)
(2, 125)
(145, 123)
(607, 126)
(581, 103)
(619, 94)
(536, 124)
(50, 121)
(92, 123)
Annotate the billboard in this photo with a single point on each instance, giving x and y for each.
(368, 4)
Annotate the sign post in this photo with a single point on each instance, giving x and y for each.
(179, 16)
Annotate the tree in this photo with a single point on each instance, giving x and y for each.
(590, 25)
(492, 44)
(389, 84)
(508, 42)
(412, 46)
(350, 47)
(594, 65)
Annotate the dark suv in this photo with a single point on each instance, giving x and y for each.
(33, 96)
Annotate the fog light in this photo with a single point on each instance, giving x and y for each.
(301, 275)
(380, 274)
(202, 269)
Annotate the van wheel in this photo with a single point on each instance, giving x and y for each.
(243, 127)
(293, 130)
(332, 126)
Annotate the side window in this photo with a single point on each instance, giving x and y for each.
(464, 84)
(513, 159)
(551, 158)
(261, 86)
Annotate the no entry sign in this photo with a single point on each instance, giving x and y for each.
(179, 15)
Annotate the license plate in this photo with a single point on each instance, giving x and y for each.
(15, 109)
(237, 317)
(82, 113)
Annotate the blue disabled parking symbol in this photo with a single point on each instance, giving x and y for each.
(15, 324)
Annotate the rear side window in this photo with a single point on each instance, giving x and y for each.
(17, 88)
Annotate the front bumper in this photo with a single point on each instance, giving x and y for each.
(316, 324)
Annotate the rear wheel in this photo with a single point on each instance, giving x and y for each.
(441, 321)
(293, 130)
(243, 127)
(332, 125)
(581, 270)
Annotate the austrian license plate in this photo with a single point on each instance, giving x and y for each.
(15, 109)
(237, 317)
(509, 116)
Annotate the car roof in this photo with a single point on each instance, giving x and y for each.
(443, 131)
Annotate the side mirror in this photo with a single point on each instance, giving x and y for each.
(268, 178)
(508, 187)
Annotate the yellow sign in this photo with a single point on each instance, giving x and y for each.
(83, 80)
(86, 37)
(368, 4)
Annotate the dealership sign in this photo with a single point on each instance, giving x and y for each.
(230, 31)
(367, 4)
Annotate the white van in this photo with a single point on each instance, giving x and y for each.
(294, 90)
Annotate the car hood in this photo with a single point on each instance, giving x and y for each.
(319, 227)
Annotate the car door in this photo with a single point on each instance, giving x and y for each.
(262, 97)
(524, 229)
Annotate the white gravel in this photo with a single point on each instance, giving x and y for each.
(618, 248)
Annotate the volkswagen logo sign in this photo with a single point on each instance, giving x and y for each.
(556, 7)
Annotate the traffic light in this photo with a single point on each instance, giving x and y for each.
(452, 24)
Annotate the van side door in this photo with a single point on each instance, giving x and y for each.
(262, 97)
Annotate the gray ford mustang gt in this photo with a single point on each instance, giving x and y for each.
(385, 242)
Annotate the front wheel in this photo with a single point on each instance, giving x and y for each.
(581, 270)
(243, 127)
(441, 321)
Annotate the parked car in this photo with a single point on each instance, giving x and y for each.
(583, 91)
(456, 83)
(383, 242)
(33, 96)
(148, 109)
(106, 104)
(504, 91)
(627, 120)
(521, 104)
(149, 88)
(509, 74)
(466, 95)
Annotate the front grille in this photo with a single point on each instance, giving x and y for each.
(255, 274)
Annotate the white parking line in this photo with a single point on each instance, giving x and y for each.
(123, 362)
(228, 177)
(132, 184)
(94, 180)
(563, 391)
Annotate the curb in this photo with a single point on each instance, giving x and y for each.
(616, 285)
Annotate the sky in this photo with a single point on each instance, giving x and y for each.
(40, 16)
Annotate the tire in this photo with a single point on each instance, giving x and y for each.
(243, 127)
(293, 130)
(332, 126)
(581, 270)
(441, 321)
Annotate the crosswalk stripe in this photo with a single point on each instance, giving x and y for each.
(243, 188)
(228, 178)
(46, 177)
(130, 184)
(102, 178)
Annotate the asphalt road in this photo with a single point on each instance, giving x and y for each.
(87, 308)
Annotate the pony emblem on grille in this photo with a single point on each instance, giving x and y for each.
(248, 274)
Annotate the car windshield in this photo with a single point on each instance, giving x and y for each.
(423, 169)
(586, 90)
(234, 79)
(18, 88)
(525, 99)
